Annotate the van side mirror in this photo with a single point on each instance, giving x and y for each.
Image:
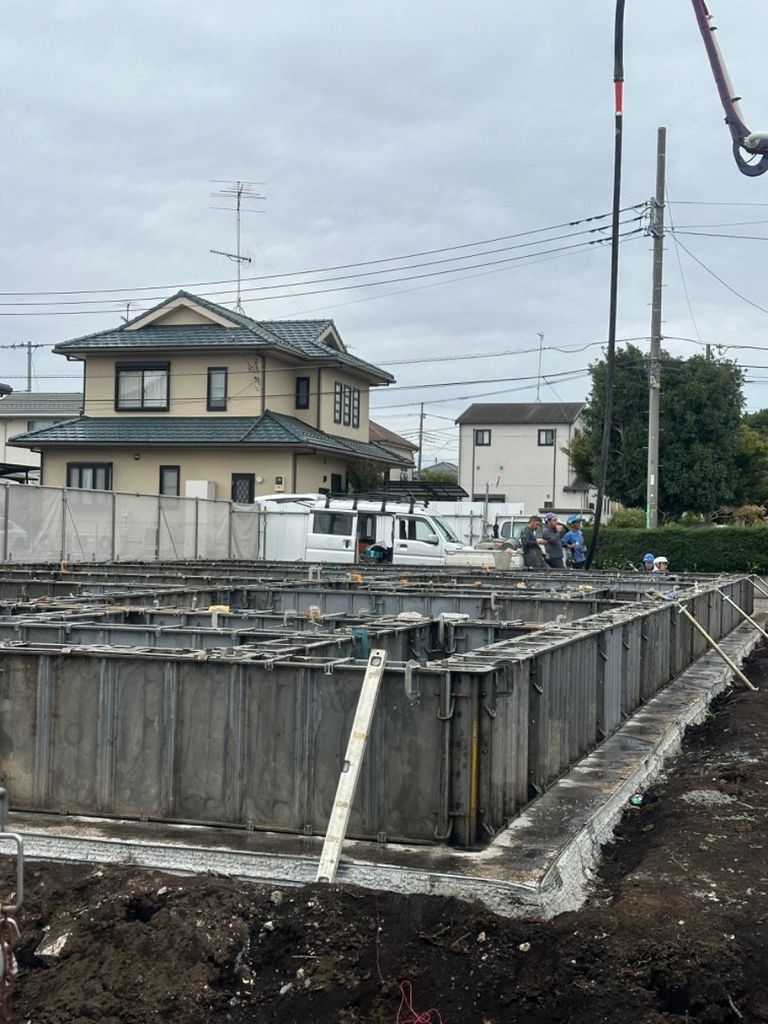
(432, 538)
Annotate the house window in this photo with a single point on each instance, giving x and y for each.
(169, 480)
(217, 388)
(91, 476)
(482, 438)
(302, 392)
(546, 438)
(243, 488)
(337, 483)
(141, 388)
(346, 405)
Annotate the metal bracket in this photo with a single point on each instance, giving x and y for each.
(8, 907)
(412, 692)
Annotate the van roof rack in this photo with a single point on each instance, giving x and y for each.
(411, 490)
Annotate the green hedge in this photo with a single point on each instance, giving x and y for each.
(691, 549)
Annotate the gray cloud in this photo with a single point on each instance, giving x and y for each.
(377, 131)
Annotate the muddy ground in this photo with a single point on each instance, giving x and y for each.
(675, 931)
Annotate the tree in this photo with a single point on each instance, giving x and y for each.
(699, 416)
(366, 476)
(437, 476)
(751, 465)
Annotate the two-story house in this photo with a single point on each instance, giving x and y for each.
(24, 411)
(193, 398)
(515, 452)
(399, 446)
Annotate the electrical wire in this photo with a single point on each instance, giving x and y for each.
(581, 246)
(323, 270)
(717, 277)
(680, 267)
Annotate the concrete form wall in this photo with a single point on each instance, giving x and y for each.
(458, 745)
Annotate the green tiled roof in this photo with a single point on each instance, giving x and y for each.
(270, 430)
(296, 338)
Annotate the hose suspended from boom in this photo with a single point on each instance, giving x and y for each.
(753, 144)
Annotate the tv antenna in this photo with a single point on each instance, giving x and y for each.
(241, 192)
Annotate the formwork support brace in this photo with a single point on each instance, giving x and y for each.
(713, 644)
(350, 769)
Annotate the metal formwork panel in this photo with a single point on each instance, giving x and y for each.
(138, 729)
(543, 739)
(610, 681)
(25, 692)
(503, 744)
(71, 718)
(655, 654)
(630, 689)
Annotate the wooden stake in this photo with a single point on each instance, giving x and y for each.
(741, 612)
(715, 646)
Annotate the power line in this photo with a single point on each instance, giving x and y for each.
(720, 279)
(680, 267)
(323, 270)
(347, 287)
(714, 234)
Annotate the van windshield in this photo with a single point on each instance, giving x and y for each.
(445, 529)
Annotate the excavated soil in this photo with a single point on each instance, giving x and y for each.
(675, 931)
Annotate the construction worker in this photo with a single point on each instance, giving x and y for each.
(573, 543)
(648, 562)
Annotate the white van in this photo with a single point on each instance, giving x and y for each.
(365, 530)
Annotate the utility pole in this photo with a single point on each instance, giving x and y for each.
(421, 436)
(654, 369)
(28, 347)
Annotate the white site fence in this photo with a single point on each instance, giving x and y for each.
(46, 524)
(51, 524)
(471, 521)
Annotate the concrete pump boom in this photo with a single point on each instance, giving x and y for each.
(750, 149)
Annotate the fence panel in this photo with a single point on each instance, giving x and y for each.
(176, 534)
(136, 527)
(34, 523)
(245, 533)
(212, 529)
(88, 525)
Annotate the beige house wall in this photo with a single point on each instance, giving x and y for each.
(249, 374)
(188, 383)
(301, 473)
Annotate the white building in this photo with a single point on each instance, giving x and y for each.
(514, 452)
(22, 411)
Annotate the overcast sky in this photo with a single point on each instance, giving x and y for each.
(378, 131)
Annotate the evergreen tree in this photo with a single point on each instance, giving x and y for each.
(699, 417)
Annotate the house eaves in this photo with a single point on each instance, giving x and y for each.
(300, 341)
(271, 430)
(504, 413)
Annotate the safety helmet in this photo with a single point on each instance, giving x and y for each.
(573, 519)
(648, 557)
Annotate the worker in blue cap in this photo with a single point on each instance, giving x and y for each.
(648, 562)
(573, 543)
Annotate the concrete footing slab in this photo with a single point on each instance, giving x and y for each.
(540, 866)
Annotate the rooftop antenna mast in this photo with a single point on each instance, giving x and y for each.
(241, 192)
(538, 380)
